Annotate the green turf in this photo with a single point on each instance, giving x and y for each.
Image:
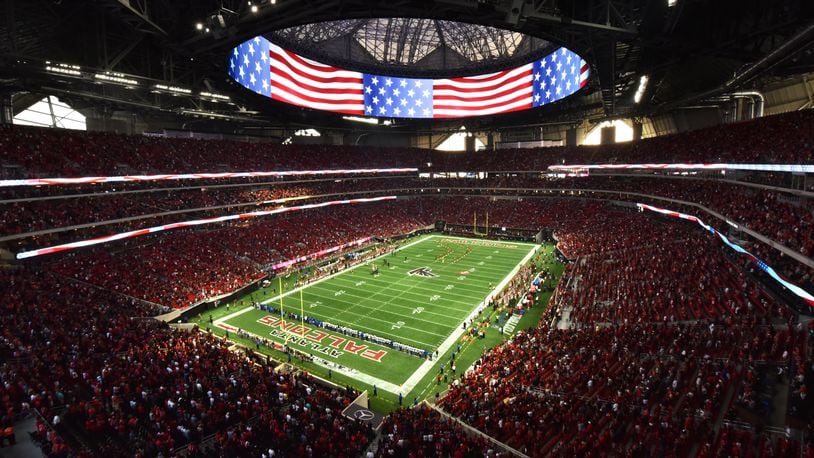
(392, 305)
(416, 311)
(386, 369)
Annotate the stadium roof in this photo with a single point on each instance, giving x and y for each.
(411, 46)
(689, 49)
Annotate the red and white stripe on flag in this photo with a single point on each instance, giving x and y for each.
(500, 92)
(584, 71)
(304, 82)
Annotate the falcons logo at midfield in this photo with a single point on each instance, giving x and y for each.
(422, 272)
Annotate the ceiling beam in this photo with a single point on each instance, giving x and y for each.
(585, 25)
(110, 65)
(142, 15)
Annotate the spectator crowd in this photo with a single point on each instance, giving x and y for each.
(113, 384)
(657, 340)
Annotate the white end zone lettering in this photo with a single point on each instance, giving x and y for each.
(316, 339)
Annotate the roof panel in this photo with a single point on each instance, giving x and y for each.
(421, 45)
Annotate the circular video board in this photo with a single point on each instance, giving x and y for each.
(269, 70)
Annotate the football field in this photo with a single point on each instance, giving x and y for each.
(361, 321)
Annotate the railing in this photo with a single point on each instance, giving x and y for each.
(466, 191)
(476, 432)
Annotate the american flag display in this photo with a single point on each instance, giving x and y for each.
(386, 96)
(304, 82)
(272, 71)
(500, 92)
(249, 65)
(558, 75)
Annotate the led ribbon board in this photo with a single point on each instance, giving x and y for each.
(808, 298)
(315, 255)
(195, 176)
(269, 70)
(799, 168)
(191, 223)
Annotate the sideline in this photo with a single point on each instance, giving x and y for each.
(459, 331)
(427, 365)
(328, 277)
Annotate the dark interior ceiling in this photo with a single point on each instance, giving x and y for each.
(415, 47)
(694, 49)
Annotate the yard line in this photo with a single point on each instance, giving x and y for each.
(449, 269)
(481, 275)
(397, 314)
(408, 291)
(385, 333)
(391, 300)
(373, 308)
(407, 307)
(316, 282)
(426, 366)
(382, 291)
(394, 283)
(438, 290)
(334, 319)
(454, 272)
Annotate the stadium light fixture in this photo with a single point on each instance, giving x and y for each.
(172, 89)
(361, 119)
(215, 97)
(65, 69)
(204, 114)
(640, 90)
(114, 77)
